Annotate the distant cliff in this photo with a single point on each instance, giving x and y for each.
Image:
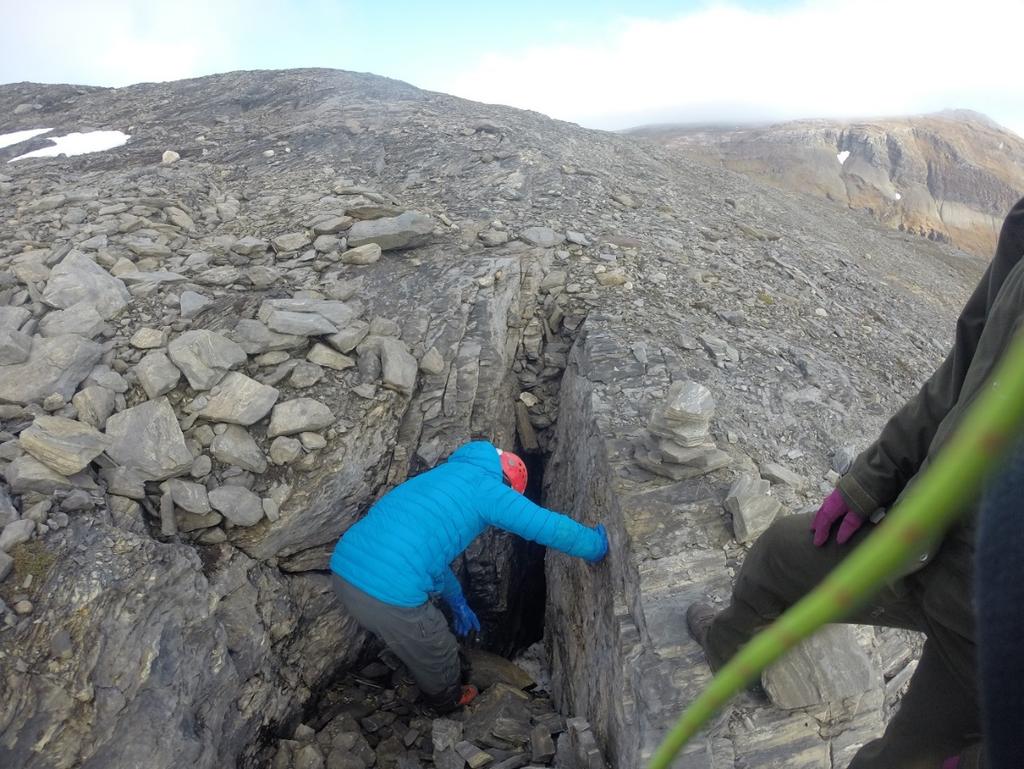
(950, 176)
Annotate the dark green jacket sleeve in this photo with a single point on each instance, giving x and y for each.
(880, 473)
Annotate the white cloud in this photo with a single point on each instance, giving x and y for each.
(824, 58)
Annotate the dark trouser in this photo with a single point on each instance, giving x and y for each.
(418, 635)
(939, 715)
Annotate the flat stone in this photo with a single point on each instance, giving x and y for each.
(305, 374)
(13, 317)
(326, 244)
(487, 669)
(292, 241)
(124, 482)
(337, 312)
(409, 230)
(186, 522)
(367, 254)
(80, 319)
(55, 365)
(752, 509)
(237, 504)
(776, 473)
(299, 323)
(312, 441)
(149, 338)
(94, 405)
(493, 238)
(16, 533)
(147, 248)
(78, 278)
(64, 445)
(15, 346)
(255, 338)
(250, 244)
(6, 565)
(189, 496)
(284, 451)
(399, 367)
(191, 303)
(473, 756)
(545, 237)
(322, 355)
(205, 357)
(542, 747)
(333, 225)
(432, 362)
(26, 473)
(577, 237)
(612, 278)
(824, 669)
(298, 416)
(240, 400)
(349, 337)
(157, 374)
(236, 447)
(148, 439)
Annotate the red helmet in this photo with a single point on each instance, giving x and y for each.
(514, 470)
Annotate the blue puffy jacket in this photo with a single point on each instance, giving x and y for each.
(401, 551)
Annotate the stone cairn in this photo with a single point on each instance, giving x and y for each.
(681, 445)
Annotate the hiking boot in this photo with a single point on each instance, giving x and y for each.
(469, 693)
(699, 617)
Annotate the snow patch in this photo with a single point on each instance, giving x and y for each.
(842, 156)
(6, 140)
(79, 144)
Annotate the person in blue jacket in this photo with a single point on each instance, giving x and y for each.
(388, 565)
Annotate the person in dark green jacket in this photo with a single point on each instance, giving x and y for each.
(937, 725)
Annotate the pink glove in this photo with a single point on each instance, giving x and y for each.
(832, 509)
(951, 763)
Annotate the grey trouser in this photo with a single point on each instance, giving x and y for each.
(939, 715)
(418, 635)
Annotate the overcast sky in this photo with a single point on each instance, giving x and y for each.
(599, 63)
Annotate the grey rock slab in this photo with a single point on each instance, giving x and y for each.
(149, 338)
(186, 522)
(299, 323)
(298, 416)
(432, 362)
(191, 303)
(94, 405)
(239, 400)
(148, 439)
(15, 346)
(80, 319)
(255, 338)
(333, 225)
(322, 355)
(250, 245)
(157, 374)
(16, 533)
(204, 357)
(55, 365)
(399, 366)
(64, 445)
(545, 237)
(306, 374)
(6, 565)
(292, 241)
(237, 448)
(752, 509)
(826, 668)
(13, 317)
(26, 473)
(409, 230)
(349, 337)
(189, 496)
(367, 254)
(78, 278)
(776, 473)
(337, 312)
(236, 503)
(124, 482)
(284, 451)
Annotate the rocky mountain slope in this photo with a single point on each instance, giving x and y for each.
(291, 290)
(949, 176)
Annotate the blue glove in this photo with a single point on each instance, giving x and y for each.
(465, 619)
(604, 544)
